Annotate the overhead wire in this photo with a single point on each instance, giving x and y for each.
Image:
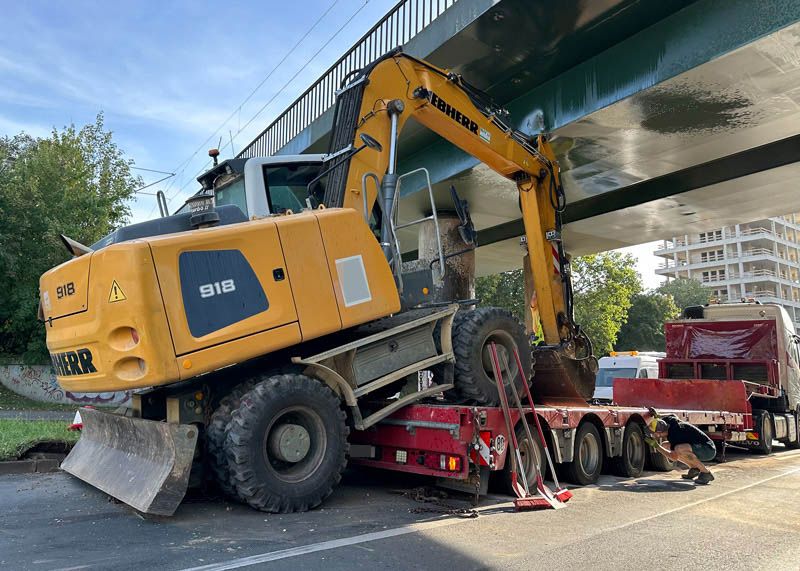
(275, 96)
(260, 84)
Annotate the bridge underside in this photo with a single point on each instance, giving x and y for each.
(665, 120)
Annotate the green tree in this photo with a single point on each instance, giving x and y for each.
(685, 292)
(74, 182)
(506, 290)
(604, 285)
(644, 329)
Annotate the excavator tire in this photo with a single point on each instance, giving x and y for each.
(287, 444)
(472, 333)
(215, 437)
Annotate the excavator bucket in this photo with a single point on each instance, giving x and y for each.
(559, 379)
(143, 463)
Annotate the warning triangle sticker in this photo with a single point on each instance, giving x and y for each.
(116, 293)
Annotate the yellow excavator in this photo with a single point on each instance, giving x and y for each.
(275, 314)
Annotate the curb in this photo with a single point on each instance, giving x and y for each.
(41, 465)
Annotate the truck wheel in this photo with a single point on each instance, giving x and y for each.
(658, 462)
(631, 463)
(763, 423)
(532, 454)
(796, 419)
(587, 459)
(215, 437)
(473, 374)
(287, 444)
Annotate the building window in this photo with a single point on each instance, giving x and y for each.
(713, 275)
(710, 236)
(713, 256)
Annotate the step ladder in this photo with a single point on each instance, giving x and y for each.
(525, 500)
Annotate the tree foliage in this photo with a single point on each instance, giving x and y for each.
(685, 292)
(644, 329)
(74, 182)
(506, 290)
(604, 285)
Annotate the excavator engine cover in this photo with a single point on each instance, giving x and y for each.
(143, 463)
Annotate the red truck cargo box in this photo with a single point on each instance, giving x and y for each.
(690, 394)
(744, 339)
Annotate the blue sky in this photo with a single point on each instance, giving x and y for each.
(166, 74)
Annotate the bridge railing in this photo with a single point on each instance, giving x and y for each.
(403, 22)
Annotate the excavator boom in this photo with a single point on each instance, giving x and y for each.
(397, 87)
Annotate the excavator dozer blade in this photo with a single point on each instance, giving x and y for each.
(559, 379)
(143, 463)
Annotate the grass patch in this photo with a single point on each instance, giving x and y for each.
(16, 436)
(9, 400)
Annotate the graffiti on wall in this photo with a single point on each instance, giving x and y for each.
(38, 382)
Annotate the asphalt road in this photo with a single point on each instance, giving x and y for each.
(747, 519)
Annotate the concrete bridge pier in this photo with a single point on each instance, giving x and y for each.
(458, 281)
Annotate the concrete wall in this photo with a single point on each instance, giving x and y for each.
(38, 382)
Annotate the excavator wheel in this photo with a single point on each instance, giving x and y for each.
(215, 437)
(472, 334)
(287, 444)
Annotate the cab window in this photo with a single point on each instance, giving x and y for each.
(231, 191)
(287, 186)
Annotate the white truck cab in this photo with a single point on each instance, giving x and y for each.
(625, 364)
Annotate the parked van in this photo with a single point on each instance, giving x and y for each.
(624, 364)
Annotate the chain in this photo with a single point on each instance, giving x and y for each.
(435, 499)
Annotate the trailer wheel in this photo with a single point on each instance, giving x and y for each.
(215, 437)
(287, 444)
(587, 459)
(473, 375)
(796, 419)
(631, 463)
(657, 462)
(532, 454)
(765, 433)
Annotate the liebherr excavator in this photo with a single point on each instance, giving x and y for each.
(272, 318)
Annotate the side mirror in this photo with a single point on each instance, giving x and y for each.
(371, 142)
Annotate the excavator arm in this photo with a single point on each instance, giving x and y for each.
(379, 101)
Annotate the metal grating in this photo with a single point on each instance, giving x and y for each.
(403, 22)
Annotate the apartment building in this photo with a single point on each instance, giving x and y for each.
(759, 260)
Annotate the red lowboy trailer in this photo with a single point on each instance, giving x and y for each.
(733, 377)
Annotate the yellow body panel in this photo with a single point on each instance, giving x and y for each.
(350, 244)
(307, 267)
(213, 358)
(105, 328)
(66, 289)
(313, 268)
(258, 241)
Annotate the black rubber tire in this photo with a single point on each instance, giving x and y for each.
(272, 485)
(587, 459)
(796, 419)
(473, 377)
(634, 452)
(657, 462)
(216, 432)
(763, 421)
(525, 450)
